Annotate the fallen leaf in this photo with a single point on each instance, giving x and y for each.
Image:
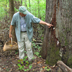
(11, 45)
(38, 62)
(43, 67)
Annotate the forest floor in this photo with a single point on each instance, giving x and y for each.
(9, 62)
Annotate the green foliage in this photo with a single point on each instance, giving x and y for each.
(4, 6)
(16, 52)
(33, 8)
(25, 58)
(70, 61)
(21, 67)
(36, 46)
(37, 54)
(7, 69)
(30, 66)
(15, 9)
(48, 69)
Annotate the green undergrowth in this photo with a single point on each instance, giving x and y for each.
(21, 65)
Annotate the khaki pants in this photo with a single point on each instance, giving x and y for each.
(21, 46)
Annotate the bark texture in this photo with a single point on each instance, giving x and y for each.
(58, 38)
(11, 9)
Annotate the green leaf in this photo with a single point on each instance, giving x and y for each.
(24, 51)
(36, 53)
(40, 56)
(30, 66)
(19, 65)
(16, 52)
(26, 64)
(21, 62)
(48, 69)
(45, 67)
(18, 60)
(25, 69)
(25, 58)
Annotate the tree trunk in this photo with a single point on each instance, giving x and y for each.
(21, 2)
(25, 2)
(38, 9)
(59, 37)
(11, 9)
(29, 6)
(64, 67)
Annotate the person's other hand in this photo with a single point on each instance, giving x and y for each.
(10, 35)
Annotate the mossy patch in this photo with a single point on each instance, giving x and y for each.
(53, 54)
(70, 62)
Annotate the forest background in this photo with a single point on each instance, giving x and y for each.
(36, 7)
(55, 40)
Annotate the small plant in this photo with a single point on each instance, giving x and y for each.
(7, 69)
(25, 58)
(48, 69)
(37, 54)
(30, 66)
(21, 66)
(16, 52)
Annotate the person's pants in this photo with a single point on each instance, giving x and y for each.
(21, 46)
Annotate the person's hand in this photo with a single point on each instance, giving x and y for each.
(10, 35)
(49, 25)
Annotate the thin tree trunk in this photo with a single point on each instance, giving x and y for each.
(25, 2)
(38, 9)
(21, 2)
(11, 9)
(6, 10)
(29, 6)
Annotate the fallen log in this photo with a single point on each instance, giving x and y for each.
(64, 67)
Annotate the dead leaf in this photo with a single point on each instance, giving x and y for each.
(38, 62)
(43, 67)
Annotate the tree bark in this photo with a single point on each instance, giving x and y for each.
(59, 37)
(11, 9)
(25, 3)
(21, 2)
(38, 9)
(64, 67)
(29, 6)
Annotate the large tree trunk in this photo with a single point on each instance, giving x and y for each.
(59, 37)
(11, 10)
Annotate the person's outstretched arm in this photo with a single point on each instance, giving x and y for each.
(45, 23)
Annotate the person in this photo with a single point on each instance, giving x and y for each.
(24, 31)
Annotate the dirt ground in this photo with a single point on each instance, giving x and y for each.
(9, 62)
